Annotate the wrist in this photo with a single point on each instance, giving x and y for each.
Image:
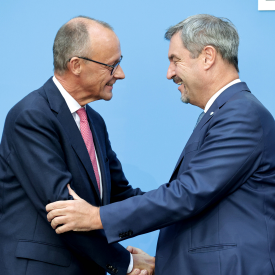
(98, 222)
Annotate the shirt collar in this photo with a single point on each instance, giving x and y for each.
(73, 105)
(214, 97)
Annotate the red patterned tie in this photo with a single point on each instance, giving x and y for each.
(88, 139)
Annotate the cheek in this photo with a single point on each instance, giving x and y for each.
(181, 71)
(104, 78)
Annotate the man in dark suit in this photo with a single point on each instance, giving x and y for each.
(217, 212)
(52, 138)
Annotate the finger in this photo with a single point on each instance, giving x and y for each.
(58, 221)
(56, 205)
(72, 193)
(56, 213)
(144, 272)
(136, 271)
(62, 229)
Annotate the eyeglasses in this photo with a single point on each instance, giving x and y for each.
(114, 67)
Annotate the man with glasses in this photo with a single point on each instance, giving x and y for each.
(52, 138)
(114, 67)
(216, 213)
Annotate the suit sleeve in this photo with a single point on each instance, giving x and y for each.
(39, 163)
(230, 152)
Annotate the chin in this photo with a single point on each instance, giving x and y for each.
(107, 97)
(185, 99)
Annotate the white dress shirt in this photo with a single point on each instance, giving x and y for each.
(73, 106)
(215, 96)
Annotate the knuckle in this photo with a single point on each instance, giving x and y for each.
(71, 208)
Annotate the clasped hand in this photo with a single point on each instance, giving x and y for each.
(79, 215)
(73, 215)
(144, 264)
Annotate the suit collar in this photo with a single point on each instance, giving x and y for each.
(218, 93)
(72, 104)
(229, 92)
(221, 100)
(53, 95)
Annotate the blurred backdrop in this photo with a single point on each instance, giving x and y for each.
(147, 123)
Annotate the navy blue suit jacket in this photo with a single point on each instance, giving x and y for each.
(42, 150)
(217, 212)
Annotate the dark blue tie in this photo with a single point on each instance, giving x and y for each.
(199, 119)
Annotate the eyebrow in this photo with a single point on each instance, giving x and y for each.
(116, 61)
(172, 56)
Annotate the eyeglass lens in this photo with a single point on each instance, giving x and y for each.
(115, 66)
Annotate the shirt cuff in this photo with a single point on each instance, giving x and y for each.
(131, 264)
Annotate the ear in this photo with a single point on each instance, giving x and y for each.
(74, 65)
(209, 55)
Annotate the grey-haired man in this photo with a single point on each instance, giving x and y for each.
(216, 213)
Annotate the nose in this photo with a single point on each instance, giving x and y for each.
(171, 71)
(119, 74)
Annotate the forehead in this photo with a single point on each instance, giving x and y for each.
(105, 44)
(176, 46)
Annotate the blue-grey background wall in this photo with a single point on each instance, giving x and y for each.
(147, 123)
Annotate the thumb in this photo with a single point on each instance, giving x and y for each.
(134, 250)
(72, 193)
(130, 249)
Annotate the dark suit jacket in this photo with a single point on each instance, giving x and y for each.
(217, 213)
(42, 150)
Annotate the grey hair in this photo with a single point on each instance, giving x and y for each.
(72, 39)
(200, 30)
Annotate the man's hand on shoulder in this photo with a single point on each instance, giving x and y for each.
(73, 215)
(144, 264)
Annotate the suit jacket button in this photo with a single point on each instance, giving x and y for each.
(109, 266)
(130, 233)
(115, 270)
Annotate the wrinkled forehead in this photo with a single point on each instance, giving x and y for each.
(176, 46)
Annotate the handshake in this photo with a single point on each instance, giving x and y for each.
(144, 264)
(79, 215)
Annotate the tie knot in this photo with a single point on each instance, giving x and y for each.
(82, 114)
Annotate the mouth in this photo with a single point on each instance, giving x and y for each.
(177, 80)
(110, 84)
(181, 86)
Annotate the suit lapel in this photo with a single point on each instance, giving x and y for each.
(205, 119)
(217, 104)
(58, 105)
